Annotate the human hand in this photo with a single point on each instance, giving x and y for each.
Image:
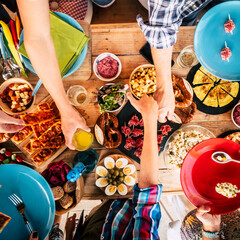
(166, 103)
(71, 121)
(210, 222)
(34, 236)
(10, 124)
(147, 106)
(70, 226)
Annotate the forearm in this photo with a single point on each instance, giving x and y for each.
(162, 61)
(149, 159)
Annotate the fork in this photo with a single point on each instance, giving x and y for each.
(21, 208)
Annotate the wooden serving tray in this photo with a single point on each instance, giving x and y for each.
(27, 159)
(115, 158)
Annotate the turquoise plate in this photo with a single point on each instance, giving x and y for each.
(210, 37)
(81, 57)
(37, 196)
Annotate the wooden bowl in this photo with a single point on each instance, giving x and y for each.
(4, 106)
(133, 72)
(115, 158)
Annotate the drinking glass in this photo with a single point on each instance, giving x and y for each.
(77, 95)
(187, 57)
(82, 140)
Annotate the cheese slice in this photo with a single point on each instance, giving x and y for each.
(200, 78)
(223, 97)
(232, 88)
(211, 99)
(202, 91)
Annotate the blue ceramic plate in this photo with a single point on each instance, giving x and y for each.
(80, 59)
(37, 196)
(210, 37)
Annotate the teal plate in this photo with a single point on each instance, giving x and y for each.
(210, 37)
(37, 196)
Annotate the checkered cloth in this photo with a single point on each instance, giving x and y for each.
(77, 9)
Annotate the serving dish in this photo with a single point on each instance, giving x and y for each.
(200, 175)
(103, 165)
(235, 114)
(210, 38)
(5, 107)
(174, 153)
(101, 57)
(37, 196)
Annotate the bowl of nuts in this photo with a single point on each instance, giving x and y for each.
(143, 81)
(16, 96)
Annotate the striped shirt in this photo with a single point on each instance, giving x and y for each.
(165, 17)
(137, 218)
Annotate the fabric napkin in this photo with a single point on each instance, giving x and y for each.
(68, 41)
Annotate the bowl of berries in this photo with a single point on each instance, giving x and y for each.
(236, 115)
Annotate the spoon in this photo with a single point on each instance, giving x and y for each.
(222, 157)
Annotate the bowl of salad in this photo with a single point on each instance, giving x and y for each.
(111, 97)
(181, 142)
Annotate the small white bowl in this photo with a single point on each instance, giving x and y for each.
(124, 99)
(99, 58)
(4, 106)
(238, 104)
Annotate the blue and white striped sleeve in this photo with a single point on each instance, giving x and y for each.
(164, 21)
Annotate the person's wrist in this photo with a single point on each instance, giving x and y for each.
(212, 228)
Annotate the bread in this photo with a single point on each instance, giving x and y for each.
(57, 192)
(69, 187)
(66, 201)
(4, 219)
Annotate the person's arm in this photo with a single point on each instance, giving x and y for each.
(147, 193)
(40, 48)
(211, 223)
(161, 33)
(10, 124)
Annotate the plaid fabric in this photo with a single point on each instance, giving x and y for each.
(77, 9)
(165, 17)
(137, 218)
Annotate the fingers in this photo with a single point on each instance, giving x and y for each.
(4, 118)
(170, 115)
(203, 209)
(132, 100)
(34, 236)
(162, 115)
(68, 142)
(10, 128)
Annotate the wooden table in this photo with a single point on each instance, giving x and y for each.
(125, 40)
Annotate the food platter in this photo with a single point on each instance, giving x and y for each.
(210, 38)
(116, 157)
(28, 155)
(200, 175)
(204, 83)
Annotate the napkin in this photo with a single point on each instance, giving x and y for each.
(68, 41)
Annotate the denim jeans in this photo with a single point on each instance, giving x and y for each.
(192, 18)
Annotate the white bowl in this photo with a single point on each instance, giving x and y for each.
(185, 128)
(124, 99)
(99, 58)
(4, 106)
(232, 115)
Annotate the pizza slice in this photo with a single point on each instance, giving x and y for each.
(40, 128)
(202, 91)
(33, 145)
(52, 132)
(55, 109)
(223, 97)
(223, 81)
(4, 220)
(43, 106)
(22, 134)
(211, 99)
(215, 79)
(42, 156)
(38, 117)
(54, 143)
(231, 88)
(201, 78)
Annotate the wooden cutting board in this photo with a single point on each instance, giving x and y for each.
(27, 159)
